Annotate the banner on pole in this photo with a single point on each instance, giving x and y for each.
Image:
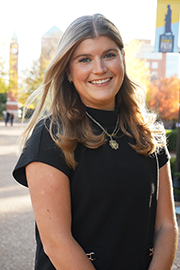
(167, 26)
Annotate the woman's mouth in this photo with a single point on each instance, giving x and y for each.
(100, 82)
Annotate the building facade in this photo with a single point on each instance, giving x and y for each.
(161, 65)
(49, 43)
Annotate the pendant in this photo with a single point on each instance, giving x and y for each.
(114, 145)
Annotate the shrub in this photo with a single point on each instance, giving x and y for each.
(172, 163)
(3, 98)
(171, 139)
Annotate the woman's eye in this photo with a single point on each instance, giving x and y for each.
(110, 55)
(84, 60)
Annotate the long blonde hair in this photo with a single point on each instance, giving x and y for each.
(57, 97)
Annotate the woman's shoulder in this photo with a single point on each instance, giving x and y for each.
(39, 142)
(42, 124)
(43, 131)
(41, 147)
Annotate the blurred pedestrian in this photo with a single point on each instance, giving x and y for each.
(96, 164)
(7, 116)
(12, 118)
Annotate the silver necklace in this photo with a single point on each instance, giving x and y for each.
(114, 145)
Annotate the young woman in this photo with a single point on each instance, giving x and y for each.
(96, 163)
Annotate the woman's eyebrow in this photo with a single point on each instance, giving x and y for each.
(113, 49)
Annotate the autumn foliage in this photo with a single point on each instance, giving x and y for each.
(163, 97)
(136, 68)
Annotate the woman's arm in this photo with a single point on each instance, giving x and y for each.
(166, 231)
(50, 195)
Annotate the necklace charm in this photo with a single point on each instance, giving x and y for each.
(114, 145)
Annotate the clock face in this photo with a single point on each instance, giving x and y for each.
(14, 50)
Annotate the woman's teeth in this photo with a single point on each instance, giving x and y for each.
(101, 81)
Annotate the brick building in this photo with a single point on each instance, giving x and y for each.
(161, 65)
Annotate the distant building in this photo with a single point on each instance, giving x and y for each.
(49, 43)
(172, 64)
(12, 104)
(161, 65)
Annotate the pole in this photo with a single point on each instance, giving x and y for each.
(177, 165)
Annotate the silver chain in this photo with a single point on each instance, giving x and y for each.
(112, 142)
(115, 131)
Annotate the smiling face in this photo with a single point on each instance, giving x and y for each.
(96, 69)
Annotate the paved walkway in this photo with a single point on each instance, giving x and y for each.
(17, 244)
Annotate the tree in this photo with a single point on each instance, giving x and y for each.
(3, 98)
(31, 80)
(33, 77)
(163, 97)
(4, 86)
(4, 83)
(136, 68)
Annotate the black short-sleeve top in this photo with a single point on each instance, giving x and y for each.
(113, 195)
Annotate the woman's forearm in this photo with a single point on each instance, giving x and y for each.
(165, 247)
(67, 255)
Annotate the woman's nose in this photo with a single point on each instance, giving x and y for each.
(99, 66)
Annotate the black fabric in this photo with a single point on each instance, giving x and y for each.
(113, 194)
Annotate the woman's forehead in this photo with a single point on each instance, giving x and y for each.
(101, 43)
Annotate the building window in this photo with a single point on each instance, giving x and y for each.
(147, 56)
(154, 65)
(156, 56)
(172, 64)
(154, 75)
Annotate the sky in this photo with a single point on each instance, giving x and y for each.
(136, 19)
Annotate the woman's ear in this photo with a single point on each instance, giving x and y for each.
(68, 74)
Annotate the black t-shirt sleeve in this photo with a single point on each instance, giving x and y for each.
(163, 156)
(40, 147)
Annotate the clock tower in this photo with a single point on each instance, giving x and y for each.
(12, 104)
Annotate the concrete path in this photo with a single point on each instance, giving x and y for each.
(17, 243)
